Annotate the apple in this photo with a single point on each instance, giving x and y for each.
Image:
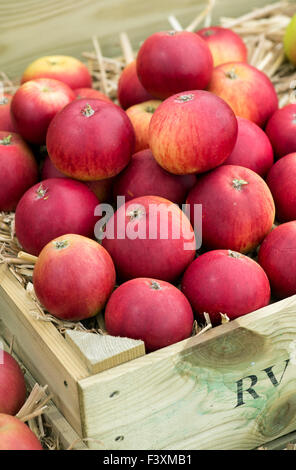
(248, 91)
(101, 188)
(90, 140)
(192, 132)
(227, 282)
(34, 105)
(73, 277)
(225, 45)
(252, 149)
(91, 93)
(67, 69)
(237, 206)
(150, 236)
(18, 170)
(12, 385)
(281, 130)
(16, 435)
(48, 170)
(152, 310)
(140, 115)
(144, 177)
(277, 256)
(290, 40)
(281, 181)
(130, 91)
(52, 208)
(171, 62)
(6, 123)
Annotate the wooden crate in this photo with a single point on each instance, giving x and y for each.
(61, 433)
(232, 387)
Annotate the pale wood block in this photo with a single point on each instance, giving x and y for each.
(102, 352)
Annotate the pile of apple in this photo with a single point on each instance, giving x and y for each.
(195, 124)
(14, 433)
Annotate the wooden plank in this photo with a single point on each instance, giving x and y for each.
(32, 28)
(281, 443)
(231, 388)
(102, 352)
(40, 346)
(60, 427)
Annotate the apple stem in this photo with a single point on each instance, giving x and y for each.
(88, 111)
(41, 192)
(209, 32)
(233, 254)
(155, 285)
(184, 98)
(237, 184)
(150, 109)
(134, 214)
(172, 32)
(60, 244)
(231, 74)
(6, 140)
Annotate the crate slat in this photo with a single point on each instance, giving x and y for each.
(41, 347)
(193, 395)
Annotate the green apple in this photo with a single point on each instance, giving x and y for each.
(290, 40)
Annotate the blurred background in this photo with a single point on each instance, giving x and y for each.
(33, 28)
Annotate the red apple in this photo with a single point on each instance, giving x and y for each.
(140, 116)
(16, 435)
(171, 62)
(152, 237)
(52, 208)
(101, 188)
(281, 181)
(192, 132)
(227, 282)
(237, 206)
(277, 256)
(18, 170)
(252, 149)
(35, 104)
(281, 130)
(64, 68)
(130, 91)
(225, 45)
(12, 385)
(248, 91)
(90, 140)
(6, 123)
(49, 170)
(144, 177)
(151, 310)
(73, 277)
(91, 93)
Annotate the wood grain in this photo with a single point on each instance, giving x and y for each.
(42, 349)
(33, 28)
(102, 352)
(187, 396)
